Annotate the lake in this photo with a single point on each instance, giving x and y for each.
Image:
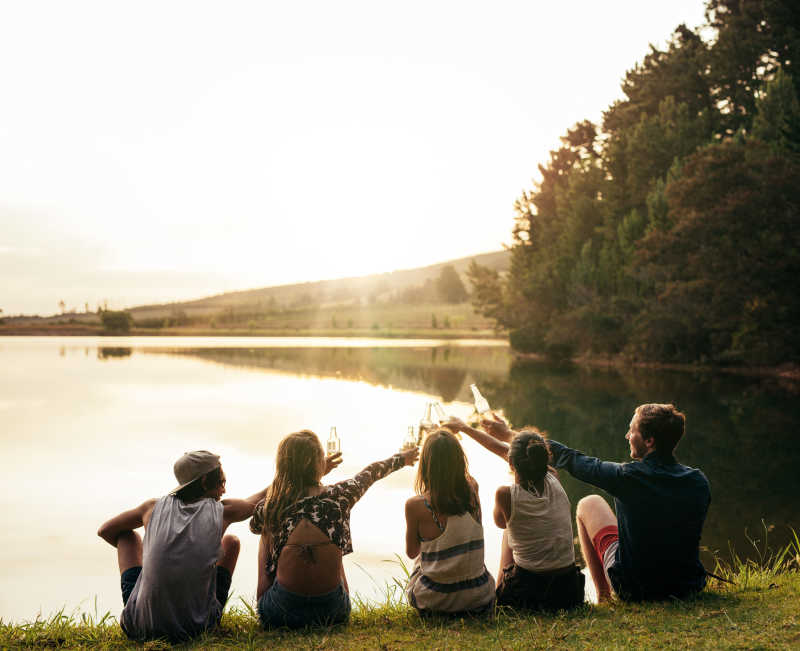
(92, 426)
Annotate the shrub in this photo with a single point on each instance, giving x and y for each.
(116, 322)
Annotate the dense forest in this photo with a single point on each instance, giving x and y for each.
(671, 230)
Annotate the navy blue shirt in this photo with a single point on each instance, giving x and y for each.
(661, 506)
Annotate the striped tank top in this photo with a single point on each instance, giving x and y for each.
(449, 574)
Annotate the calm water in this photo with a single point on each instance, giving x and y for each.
(92, 426)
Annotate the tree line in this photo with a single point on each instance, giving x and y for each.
(670, 231)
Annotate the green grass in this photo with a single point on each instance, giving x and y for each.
(758, 611)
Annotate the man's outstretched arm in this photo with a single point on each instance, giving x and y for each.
(603, 474)
(126, 521)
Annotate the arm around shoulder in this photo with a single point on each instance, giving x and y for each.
(126, 521)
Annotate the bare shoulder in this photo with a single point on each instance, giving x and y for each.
(503, 493)
(416, 500)
(414, 504)
(146, 508)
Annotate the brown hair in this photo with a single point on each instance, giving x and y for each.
(443, 474)
(297, 466)
(664, 423)
(529, 456)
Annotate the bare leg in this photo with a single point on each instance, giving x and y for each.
(229, 553)
(506, 557)
(592, 515)
(129, 550)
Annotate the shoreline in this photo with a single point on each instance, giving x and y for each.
(73, 330)
(788, 372)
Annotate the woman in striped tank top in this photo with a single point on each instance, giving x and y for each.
(444, 534)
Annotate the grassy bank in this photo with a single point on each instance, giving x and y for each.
(760, 610)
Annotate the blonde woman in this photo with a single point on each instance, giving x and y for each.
(445, 535)
(305, 532)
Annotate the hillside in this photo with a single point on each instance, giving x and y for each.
(398, 303)
(325, 293)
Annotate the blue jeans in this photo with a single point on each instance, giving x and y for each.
(279, 607)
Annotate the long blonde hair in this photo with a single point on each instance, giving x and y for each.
(297, 467)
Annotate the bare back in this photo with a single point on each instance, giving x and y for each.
(310, 562)
(426, 527)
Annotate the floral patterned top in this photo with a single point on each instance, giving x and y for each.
(329, 511)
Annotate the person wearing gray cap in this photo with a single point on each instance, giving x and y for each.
(175, 582)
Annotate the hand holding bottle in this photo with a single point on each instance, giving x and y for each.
(497, 427)
(332, 461)
(410, 456)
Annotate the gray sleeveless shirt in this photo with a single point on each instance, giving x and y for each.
(175, 595)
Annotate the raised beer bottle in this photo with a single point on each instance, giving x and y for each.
(334, 442)
(481, 403)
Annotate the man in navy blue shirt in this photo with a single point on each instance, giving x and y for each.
(651, 548)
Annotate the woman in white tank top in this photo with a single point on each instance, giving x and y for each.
(537, 565)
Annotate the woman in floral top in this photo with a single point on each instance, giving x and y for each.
(305, 531)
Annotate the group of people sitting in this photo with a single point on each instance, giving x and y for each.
(175, 582)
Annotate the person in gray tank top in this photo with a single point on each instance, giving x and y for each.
(175, 582)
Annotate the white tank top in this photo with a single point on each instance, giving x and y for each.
(175, 595)
(540, 527)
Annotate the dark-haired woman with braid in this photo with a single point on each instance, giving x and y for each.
(537, 564)
(305, 531)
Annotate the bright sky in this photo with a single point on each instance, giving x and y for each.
(157, 151)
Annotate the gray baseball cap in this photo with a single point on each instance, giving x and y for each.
(193, 465)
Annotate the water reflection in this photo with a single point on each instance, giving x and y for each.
(446, 372)
(107, 352)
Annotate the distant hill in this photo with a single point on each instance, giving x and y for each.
(324, 293)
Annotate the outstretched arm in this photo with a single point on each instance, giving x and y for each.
(129, 520)
(603, 474)
(351, 490)
(500, 448)
(236, 510)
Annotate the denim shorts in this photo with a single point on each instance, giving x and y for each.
(131, 575)
(279, 607)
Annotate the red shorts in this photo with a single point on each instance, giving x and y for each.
(604, 538)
